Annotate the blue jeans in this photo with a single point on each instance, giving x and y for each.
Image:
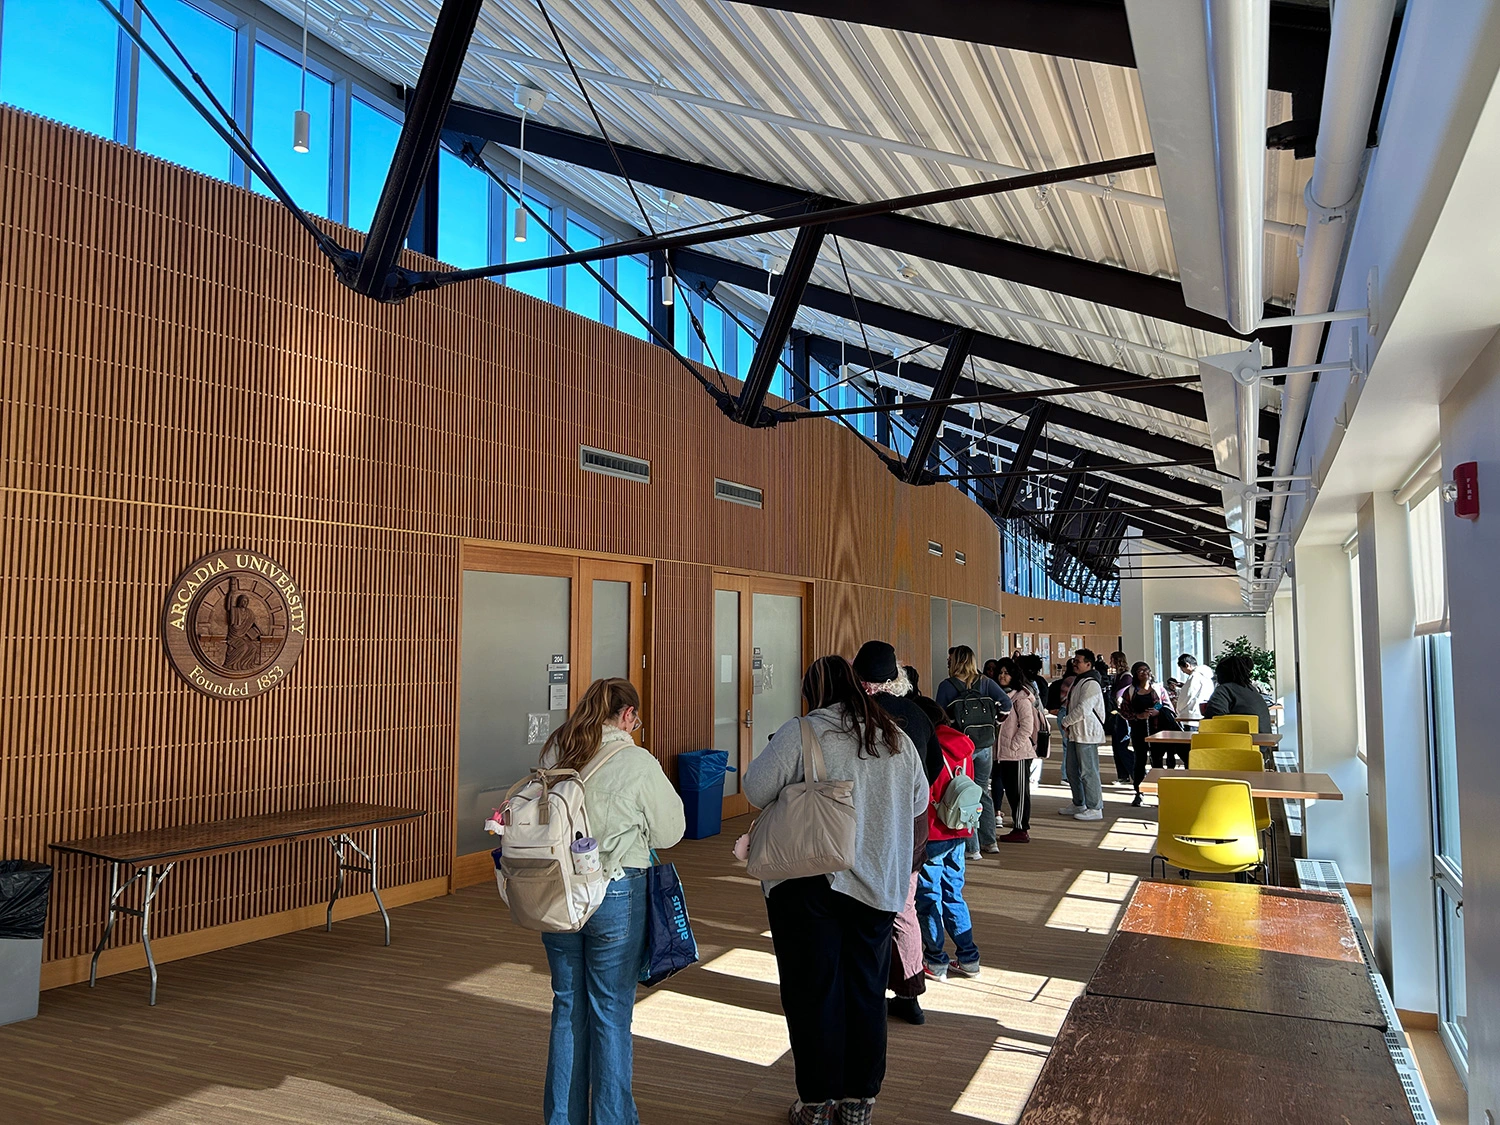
(941, 905)
(1083, 773)
(594, 974)
(984, 769)
(1062, 763)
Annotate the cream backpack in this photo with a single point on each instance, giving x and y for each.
(543, 815)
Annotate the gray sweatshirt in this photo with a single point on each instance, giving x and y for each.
(890, 792)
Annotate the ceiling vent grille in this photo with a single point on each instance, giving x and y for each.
(738, 493)
(592, 460)
(934, 548)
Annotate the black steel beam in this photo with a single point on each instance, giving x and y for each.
(416, 149)
(932, 421)
(1069, 494)
(784, 306)
(1022, 458)
(1100, 502)
(997, 349)
(1146, 294)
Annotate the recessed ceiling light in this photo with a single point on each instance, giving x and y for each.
(907, 271)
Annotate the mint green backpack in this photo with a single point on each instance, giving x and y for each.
(960, 803)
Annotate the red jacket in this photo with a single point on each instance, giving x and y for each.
(958, 756)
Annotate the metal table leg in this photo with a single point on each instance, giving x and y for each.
(339, 843)
(117, 891)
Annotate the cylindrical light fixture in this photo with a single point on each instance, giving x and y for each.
(301, 121)
(667, 286)
(519, 233)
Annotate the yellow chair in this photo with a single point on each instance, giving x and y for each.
(1229, 724)
(1249, 760)
(1227, 740)
(1206, 825)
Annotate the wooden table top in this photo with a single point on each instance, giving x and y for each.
(1139, 1062)
(1274, 950)
(193, 840)
(1267, 783)
(1185, 737)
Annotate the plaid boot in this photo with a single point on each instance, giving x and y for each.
(856, 1111)
(820, 1114)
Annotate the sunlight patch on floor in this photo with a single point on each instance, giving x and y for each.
(295, 1100)
(1000, 1087)
(509, 983)
(1111, 795)
(1092, 905)
(1127, 835)
(1034, 1005)
(1108, 885)
(736, 879)
(730, 1032)
(747, 964)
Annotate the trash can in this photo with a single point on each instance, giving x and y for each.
(700, 779)
(24, 890)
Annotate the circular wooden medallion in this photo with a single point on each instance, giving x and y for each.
(234, 624)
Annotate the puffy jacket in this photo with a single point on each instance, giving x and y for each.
(958, 756)
(1016, 741)
(1084, 720)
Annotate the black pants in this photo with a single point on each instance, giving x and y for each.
(1121, 745)
(1014, 780)
(1140, 729)
(834, 955)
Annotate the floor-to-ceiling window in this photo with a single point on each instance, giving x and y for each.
(1430, 600)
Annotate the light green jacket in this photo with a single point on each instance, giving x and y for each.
(632, 806)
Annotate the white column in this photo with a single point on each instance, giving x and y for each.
(1405, 937)
(1327, 729)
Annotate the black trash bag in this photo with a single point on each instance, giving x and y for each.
(24, 890)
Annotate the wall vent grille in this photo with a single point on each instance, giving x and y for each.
(592, 460)
(934, 548)
(738, 493)
(960, 558)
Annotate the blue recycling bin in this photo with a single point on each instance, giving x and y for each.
(700, 779)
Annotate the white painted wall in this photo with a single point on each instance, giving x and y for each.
(1471, 432)
(1327, 729)
(1405, 937)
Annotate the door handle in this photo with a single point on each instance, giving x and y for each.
(748, 722)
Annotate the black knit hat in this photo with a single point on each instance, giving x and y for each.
(876, 663)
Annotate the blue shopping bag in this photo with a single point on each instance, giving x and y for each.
(670, 945)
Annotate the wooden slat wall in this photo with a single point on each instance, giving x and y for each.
(182, 372)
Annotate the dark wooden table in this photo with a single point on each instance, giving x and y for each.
(1139, 1062)
(1273, 950)
(153, 854)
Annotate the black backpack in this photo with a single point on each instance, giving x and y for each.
(975, 714)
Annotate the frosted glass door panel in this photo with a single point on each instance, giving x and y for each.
(513, 624)
(989, 636)
(939, 610)
(727, 681)
(966, 626)
(775, 664)
(611, 630)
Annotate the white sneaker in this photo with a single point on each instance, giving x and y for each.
(1090, 814)
(1070, 810)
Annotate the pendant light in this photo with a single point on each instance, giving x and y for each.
(667, 285)
(528, 100)
(301, 122)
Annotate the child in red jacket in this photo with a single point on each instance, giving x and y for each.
(940, 884)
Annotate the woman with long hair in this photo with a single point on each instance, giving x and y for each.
(1015, 750)
(1140, 703)
(963, 686)
(832, 933)
(632, 808)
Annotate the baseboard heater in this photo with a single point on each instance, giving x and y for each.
(1324, 875)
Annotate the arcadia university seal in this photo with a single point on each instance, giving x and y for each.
(234, 624)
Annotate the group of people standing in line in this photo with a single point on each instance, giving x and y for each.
(844, 939)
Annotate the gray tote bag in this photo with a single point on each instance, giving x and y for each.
(809, 828)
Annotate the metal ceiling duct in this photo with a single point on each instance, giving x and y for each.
(1203, 67)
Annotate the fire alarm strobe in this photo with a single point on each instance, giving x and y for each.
(1466, 486)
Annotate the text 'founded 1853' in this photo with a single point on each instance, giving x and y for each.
(234, 624)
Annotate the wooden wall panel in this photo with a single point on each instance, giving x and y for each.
(182, 373)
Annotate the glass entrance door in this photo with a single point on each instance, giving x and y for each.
(760, 647)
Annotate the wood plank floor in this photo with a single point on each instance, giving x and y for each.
(449, 1025)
